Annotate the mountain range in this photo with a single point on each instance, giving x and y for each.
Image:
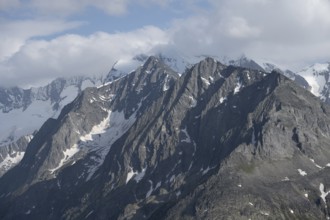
(207, 141)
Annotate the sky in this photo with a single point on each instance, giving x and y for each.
(44, 39)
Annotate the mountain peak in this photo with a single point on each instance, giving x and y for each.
(318, 76)
(152, 62)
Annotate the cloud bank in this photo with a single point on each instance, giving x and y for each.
(39, 60)
(292, 33)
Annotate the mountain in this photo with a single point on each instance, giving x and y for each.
(173, 59)
(23, 111)
(219, 142)
(317, 77)
(268, 67)
(245, 62)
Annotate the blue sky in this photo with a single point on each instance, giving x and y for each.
(43, 39)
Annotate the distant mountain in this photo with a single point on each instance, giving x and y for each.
(268, 67)
(23, 111)
(317, 77)
(217, 142)
(245, 62)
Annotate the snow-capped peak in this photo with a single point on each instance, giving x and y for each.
(317, 77)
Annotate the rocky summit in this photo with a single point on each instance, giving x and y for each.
(217, 142)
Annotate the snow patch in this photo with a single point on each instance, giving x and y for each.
(238, 87)
(187, 138)
(302, 173)
(102, 136)
(165, 85)
(265, 213)
(193, 102)
(91, 212)
(222, 99)
(150, 190)
(28, 138)
(253, 138)
(130, 174)
(11, 160)
(318, 166)
(206, 170)
(68, 153)
(323, 193)
(248, 76)
(205, 81)
(139, 176)
(97, 129)
(158, 185)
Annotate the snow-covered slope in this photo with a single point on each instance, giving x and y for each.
(317, 77)
(124, 66)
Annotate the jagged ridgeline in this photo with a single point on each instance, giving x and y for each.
(217, 142)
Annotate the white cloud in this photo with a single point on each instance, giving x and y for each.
(284, 31)
(238, 27)
(290, 33)
(40, 60)
(14, 34)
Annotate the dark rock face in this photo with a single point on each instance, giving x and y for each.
(219, 142)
